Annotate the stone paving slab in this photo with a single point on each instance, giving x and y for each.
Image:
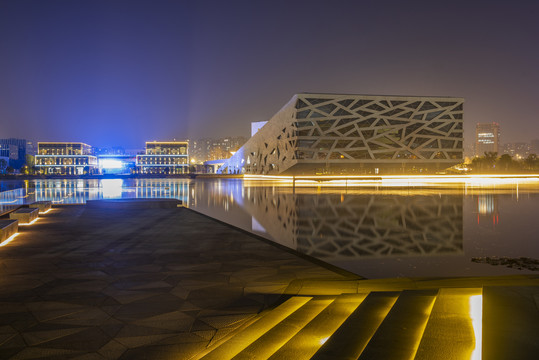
(158, 283)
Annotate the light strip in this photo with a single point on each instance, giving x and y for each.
(30, 223)
(8, 240)
(476, 315)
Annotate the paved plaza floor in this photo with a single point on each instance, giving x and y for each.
(91, 283)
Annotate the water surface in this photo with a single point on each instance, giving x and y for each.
(372, 231)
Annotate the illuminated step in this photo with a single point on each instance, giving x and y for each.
(309, 339)
(353, 335)
(511, 322)
(400, 333)
(450, 332)
(271, 341)
(245, 337)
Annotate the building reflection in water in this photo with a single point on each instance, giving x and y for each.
(338, 225)
(79, 191)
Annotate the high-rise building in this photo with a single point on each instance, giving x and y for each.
(487, 138)
(15, 150)
(164, 157)
(65, 158)
(355, 134)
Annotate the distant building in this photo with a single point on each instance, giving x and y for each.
(519, 150)
(534, 146)
(14, 150)
(210, 149)
(164, 157)
(355, 134)
(487, 138)
(65, 158)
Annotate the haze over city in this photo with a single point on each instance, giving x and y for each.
(119, 73)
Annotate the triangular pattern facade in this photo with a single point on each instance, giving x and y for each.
(354, 133)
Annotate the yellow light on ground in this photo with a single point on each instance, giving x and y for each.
(45, 212)
(323, 341)
(8, 240)
(30, 223)
(476, 315)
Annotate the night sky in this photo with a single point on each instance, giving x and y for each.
(122, 72)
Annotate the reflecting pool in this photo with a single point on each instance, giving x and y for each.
(374, 231)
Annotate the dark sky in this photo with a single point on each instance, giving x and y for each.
(123, 72)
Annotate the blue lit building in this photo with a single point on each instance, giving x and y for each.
(14, 150)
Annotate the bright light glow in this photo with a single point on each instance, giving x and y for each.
(476, 315)
(8, 240)
(111, 164)
(323, 341)
(47, 211)
(111, 188)
(399, 180)
(30, 223)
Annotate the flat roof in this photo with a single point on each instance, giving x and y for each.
(375, 95)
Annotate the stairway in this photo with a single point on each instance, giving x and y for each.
(439, 323)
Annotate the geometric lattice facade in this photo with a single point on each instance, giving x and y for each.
(331, 133)
(336, 227)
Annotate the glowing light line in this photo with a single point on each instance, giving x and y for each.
(30, 223)
(476, 315)
(8, 240)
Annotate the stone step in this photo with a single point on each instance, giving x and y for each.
(510, 322)
(245, 337)
(399, 334)
(354, 334)
(450, 332)
(309, 339)
(279, 335)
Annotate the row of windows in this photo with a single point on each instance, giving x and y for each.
(143, 160)
(64, 149)
(65, 161)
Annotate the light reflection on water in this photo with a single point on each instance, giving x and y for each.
(372, 231)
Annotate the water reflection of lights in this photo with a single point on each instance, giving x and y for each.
(111, 188)
(476, 316)
(397, 180)
(8, 240)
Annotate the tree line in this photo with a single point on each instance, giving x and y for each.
(492, 163)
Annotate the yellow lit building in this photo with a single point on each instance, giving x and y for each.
(164, 157)
(65, 158)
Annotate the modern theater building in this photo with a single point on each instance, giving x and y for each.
(164, 157)
(65, 158)
(355, 134)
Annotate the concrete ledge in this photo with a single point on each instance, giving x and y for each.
(8, 228)
(142, 203)
(43, 206)
(25, 215)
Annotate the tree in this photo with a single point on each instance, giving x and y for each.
(505, 163)
(531, 162)
(3, 165)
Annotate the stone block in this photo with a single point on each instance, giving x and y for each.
(25, 215)
(8, 228)
(43, 206)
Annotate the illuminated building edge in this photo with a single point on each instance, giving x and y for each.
(65, 158)
(347, 134)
